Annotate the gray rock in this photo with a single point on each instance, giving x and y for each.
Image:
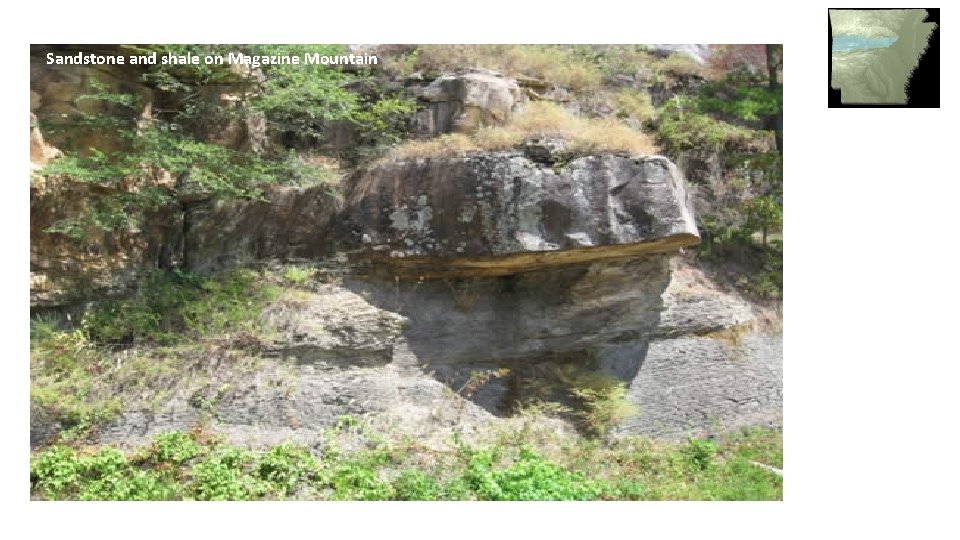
(698, 52)
(692, 386)
(291, 223)
(464, 102)
(501, 213)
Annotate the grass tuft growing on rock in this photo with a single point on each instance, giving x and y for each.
(537, 120)
(558, 64)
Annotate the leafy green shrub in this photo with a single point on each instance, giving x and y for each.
(285, 465)
(110, 478)
(60, 473)
(358, 481)
(699, 453)
(744, 100)
(222, 477)
(130, 485)
(56, 472)
(531, 478)
(627, 469)
(174, 447)
(763, 215)
(174, 306)
(414, 485)
(683, 126)
(156, 156)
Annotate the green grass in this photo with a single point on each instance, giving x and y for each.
(298, 275)
(195, 466)
(173, 307)
(134, 349)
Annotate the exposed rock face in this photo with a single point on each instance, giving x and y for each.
(398, 355)
(40, 151)
(528, 315)
(501, 213)
(55, 91)
(700, 53)
(522, 260)
(291, 223)
(464, 102)
(64, 271)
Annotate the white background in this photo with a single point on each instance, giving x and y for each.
(870, 282)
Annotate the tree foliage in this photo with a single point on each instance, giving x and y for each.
(157, 152)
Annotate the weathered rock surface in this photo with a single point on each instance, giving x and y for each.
(464, 102)
(521, 260)
(690, 385)
(502, 213)
(40, 152)
(400, 356)
(533, 314)
(699, 53)
(56, 90)
(66, 271)
(291, 223)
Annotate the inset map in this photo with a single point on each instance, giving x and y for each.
(884, 57)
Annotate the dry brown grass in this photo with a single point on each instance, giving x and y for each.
(580, 68)
(538, 119)
(450, 144)
(552, 63)
(679, 64)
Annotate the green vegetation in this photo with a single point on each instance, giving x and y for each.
(603, 401)
(168, 148)
(143, 153)
(298, 275)
(685, 126)
(194, 466)
(635, 104)
(572, 390)
(732, 118)
(178, 306)
(80, 379)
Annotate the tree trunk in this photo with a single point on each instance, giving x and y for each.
(775, 121)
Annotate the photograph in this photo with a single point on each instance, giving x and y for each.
(411, 272)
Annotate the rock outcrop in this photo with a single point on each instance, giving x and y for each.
(515, 261)
(289, 223)
(502, 213)
(399, 355)
(66, 272)
(464, 102)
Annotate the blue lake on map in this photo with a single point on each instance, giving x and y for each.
(853, 43)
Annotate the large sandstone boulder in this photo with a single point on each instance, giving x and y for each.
(501, 213)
